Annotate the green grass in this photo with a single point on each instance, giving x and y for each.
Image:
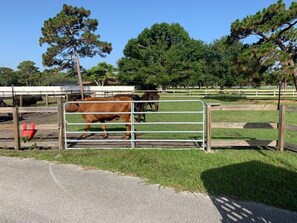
(268, 177)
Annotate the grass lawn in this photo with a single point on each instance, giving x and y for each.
(268, 177)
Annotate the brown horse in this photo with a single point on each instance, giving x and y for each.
(108, 105)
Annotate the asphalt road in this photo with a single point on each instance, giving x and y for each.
(41, 191)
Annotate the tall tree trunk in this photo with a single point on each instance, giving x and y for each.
(79, 74)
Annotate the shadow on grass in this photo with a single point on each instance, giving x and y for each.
(252, 181)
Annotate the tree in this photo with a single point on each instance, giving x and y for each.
(100, 72)
(52, 77)
(276, 47)
(159, 56)
(221, 62)
(70, 35)
(7, 76)
(28, 74)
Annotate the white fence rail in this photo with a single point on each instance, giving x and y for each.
(245, 93)
(100, 91)
(177, 121)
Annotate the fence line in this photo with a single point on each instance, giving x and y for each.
(15, 126)
(110, 90)
(210, 143)
(231, 142)
(244, 93)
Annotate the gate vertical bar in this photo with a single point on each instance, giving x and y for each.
(132, 133)
(203, 126)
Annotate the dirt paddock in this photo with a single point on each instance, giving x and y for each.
(7, 131)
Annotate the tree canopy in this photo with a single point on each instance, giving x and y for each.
(276, 45)
(221, 62)
(28, 74)
(159, 56)
(99, 73)
(70, 36)
(165, 55)
(7, 76)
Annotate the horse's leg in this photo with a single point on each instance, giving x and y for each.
(127, 118)
(137, 109)
(144, 110)
(156, 106)
(151, 105)
(87, 128)
(103, 127)
(140, 108)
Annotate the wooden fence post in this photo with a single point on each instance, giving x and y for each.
(208, 128)
(281, 128)
(16, 127)
(46, 100)
(21, 101)
(60, 122)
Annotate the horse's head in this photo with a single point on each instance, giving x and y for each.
(72, 107)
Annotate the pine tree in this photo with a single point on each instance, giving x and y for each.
(276, 45)
(70, 36)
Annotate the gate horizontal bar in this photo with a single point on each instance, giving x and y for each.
(136, 123)
(135, 140)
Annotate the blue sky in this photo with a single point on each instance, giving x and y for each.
(119, 21)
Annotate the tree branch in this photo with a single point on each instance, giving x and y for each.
(287, 28)
(262, 35)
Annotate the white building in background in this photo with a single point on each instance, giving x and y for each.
(63, 90)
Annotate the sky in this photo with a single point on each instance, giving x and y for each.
(119, 21)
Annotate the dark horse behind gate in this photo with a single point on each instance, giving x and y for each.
(151, 96)
(138, 106)
(141, 104)
(151, 99)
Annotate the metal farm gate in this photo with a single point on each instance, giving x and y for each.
(177, 124)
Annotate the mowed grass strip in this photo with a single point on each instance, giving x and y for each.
(268, 177)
